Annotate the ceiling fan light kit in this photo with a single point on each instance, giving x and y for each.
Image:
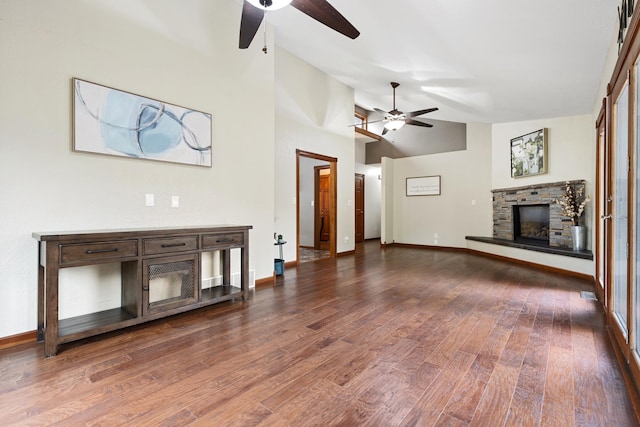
(394, 124)
(270, 4)
(253, 12)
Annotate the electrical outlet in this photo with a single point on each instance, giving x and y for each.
(175, 201)
(435, 235)
(149, 200)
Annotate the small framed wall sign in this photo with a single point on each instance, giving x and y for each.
(529, 154)
(423, 186)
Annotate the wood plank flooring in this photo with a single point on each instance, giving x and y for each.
(385, 337)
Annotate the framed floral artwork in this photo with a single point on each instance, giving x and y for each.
(529, 154)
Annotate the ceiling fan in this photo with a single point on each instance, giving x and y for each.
(253, 12)
(395, 118)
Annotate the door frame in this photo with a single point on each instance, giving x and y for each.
(333, 191)
(614, 90)
(603, 244)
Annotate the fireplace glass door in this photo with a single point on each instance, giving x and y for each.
(531, 223)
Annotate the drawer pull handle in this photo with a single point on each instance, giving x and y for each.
(224, 241)
(172, 245)
(100, 251)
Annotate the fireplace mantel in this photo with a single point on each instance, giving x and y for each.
(561, 184)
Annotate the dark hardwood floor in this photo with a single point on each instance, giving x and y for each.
(389, 337)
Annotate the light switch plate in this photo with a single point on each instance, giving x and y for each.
(149, 200)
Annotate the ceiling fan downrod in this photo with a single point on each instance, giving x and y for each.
(394, 85)
(266, 4)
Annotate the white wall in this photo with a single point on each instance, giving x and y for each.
(462, 209)
(45, 186)
(607, 73)
(470, 175)
(570, 150)
(313, 112)
(571, 156)
(386, 202)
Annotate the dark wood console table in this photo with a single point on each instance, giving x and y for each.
(160, 270)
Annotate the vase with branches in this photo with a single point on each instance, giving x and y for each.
(573, 202)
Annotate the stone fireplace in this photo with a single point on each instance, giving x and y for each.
(529, 215)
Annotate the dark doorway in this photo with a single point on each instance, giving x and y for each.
(359, 212)
(322, 215)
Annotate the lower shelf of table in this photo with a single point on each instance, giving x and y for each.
(93, 321)
(109, 320)
(218, 292)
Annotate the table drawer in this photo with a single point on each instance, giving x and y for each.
(213, 241)
(78, 252)
(169, 245)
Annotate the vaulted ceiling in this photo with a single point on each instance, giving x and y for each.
(488, 61)
(478, 61)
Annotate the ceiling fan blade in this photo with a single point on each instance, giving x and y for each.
(251, 19)
(417, 123)
(377, 110)
(323, 12)
(421, 112)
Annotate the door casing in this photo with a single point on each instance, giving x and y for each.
(333, 191)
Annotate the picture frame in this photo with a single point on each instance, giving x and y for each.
(118, 123)
(423, 186)
(529, 154)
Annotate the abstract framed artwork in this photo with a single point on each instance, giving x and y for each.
(118, 123)
(423, 186)
(529, 154)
